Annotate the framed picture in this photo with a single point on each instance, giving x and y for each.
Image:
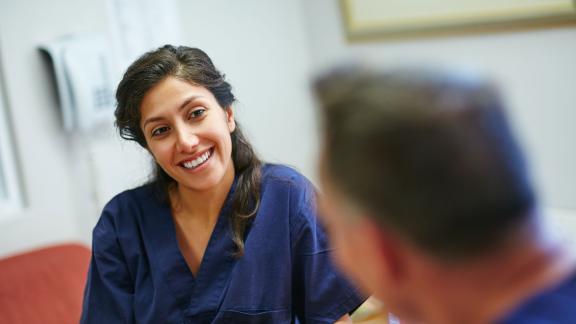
(399, 18)
(10, 198)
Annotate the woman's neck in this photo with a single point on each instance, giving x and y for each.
(190, 203)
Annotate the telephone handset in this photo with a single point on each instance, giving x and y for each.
(82, 68)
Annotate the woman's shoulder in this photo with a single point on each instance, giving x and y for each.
(280, 173)
(131, 201)
(133, 195)
(125, 211)
(277, 178)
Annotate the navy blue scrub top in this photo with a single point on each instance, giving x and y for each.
(556, 305)
(138, 274)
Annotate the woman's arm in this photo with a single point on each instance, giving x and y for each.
(323, 292)
(108, 296)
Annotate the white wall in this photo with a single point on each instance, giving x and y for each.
(44, 151)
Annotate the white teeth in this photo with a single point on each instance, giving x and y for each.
(196, 162)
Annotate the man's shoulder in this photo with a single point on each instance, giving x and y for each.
(554, 305)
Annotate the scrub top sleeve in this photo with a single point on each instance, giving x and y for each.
(323, 294)
(109, 288)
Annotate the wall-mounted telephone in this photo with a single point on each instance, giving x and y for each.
(82, 66)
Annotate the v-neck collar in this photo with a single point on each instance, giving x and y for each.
(200, 293)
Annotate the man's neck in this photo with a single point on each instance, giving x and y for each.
(485, 290)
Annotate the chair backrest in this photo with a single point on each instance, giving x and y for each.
(44, 286)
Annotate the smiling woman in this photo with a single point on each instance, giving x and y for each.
(187, 131)
(217, 236)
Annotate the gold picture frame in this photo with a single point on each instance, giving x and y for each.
(400, 18)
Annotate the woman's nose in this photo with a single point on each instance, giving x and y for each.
(187, 141)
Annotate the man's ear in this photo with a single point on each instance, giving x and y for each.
(230, 118)
(385, 250)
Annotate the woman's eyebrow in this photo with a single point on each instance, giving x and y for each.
(150, 120)
(182, 106)
(189, 100)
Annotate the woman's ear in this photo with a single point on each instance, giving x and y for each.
(230, 118)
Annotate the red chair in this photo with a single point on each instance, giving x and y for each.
(44, 286)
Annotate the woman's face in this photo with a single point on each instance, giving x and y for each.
(188, 133)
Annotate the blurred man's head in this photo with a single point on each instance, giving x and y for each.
(419, 160)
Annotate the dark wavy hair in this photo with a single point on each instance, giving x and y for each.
(194, 66)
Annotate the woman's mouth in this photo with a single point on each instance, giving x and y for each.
(195, 163)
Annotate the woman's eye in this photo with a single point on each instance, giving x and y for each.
(159, 131)
(197, 113)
